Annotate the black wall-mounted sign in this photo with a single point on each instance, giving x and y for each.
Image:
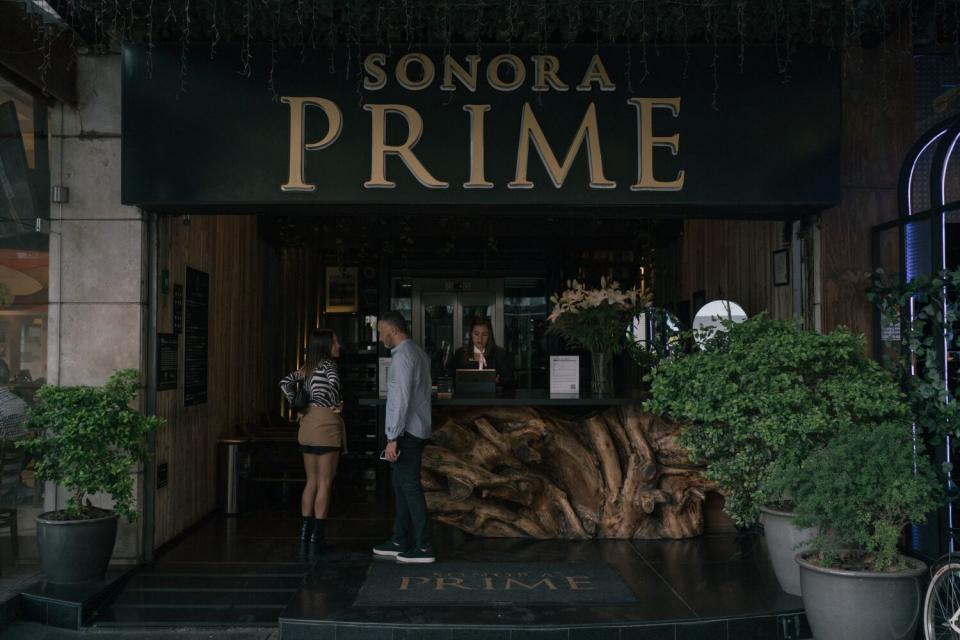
(178, 309)
(168, 358)
(196, 337)
(564, 127)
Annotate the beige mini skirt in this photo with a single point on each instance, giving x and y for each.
(322, 427)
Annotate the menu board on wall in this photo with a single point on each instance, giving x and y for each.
(196, 337)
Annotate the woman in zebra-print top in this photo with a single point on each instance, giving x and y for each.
(322, 435)
(324, 385)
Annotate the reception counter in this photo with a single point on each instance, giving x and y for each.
(531, 465)
(523, 397)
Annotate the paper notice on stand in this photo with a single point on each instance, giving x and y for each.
(565, 376)
(384, 364)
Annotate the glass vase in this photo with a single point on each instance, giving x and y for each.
(600, 380)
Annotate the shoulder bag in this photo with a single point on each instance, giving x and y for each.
(301, 399)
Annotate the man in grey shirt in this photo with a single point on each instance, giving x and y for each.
(408, 427)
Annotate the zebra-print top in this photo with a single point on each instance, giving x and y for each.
(324, 385)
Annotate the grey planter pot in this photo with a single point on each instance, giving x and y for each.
(784, 541)
(842, 605)
(75, 551)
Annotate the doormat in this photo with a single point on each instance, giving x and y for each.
(485, 584)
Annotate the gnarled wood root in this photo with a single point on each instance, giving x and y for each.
(523, 472)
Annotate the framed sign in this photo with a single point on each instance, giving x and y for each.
(341, 290)
(781, 267)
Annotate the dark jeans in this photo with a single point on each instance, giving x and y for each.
(411, 505)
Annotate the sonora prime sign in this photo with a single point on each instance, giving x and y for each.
(578, 126)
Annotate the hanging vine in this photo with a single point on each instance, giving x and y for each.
(779, 25)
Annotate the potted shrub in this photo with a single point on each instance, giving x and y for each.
(860, 491)
(759, 397)
(89, 440)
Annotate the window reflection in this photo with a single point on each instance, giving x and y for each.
(24, 289)
(23, 105)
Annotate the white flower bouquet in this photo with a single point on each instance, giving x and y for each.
(596, 319)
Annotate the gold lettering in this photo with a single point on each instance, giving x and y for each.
(477, 179)
(426, 64)
(298, 146)
(530, 587)
(589, 130)
(596, 72)
(405, 582)
(380, 149)
(451, 582)
(373, 65)
(493, 72)
(545, 74)
(452, 68)
(579, 583)
(646, 141)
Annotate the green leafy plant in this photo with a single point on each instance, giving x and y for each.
(861, 490)
(912, 353)
(89, 439)
(763, 395)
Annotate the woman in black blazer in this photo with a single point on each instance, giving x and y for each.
(482, 352)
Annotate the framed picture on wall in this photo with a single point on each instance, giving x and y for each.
(781, 267)
(341, 289)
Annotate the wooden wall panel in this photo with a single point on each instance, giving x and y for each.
(732, 260)
(226, 247)
(878, 129)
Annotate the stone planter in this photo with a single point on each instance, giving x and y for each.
(842, 605)
(784, 541)
(75, 551)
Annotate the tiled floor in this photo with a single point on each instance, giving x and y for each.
(234, 570)
(247, 571)
(16, 573)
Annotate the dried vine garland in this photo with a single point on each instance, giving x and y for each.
(102, 25)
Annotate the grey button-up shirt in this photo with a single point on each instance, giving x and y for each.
(408, 392)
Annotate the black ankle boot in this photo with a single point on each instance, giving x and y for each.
(318, 543)
(305, 528)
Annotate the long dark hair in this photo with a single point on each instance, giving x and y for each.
(479, 321)
(319, 347)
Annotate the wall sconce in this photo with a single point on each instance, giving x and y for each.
(59, 194)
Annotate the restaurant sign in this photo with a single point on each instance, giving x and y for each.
(560, 127)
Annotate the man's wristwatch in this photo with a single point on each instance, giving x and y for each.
(391, 440)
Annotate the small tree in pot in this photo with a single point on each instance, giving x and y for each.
(760, 397)
(860, 491)
(89, 440)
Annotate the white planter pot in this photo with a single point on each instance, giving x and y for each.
(843, 605)
(784, 541)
